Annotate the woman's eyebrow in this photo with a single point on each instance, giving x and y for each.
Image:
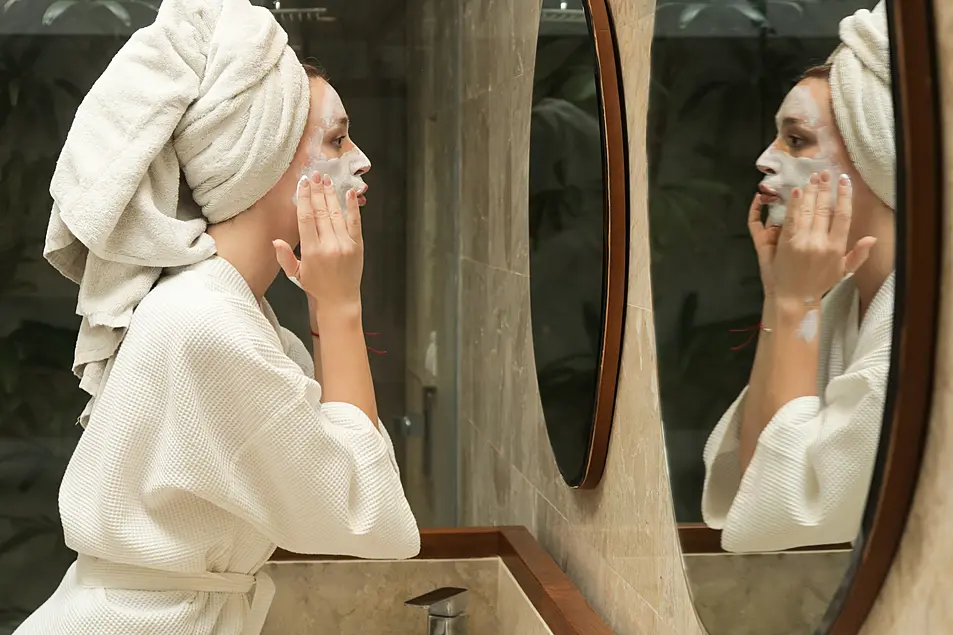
(333, 123)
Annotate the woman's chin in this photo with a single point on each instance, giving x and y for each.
(776, 213)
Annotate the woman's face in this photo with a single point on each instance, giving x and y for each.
(328, 145)
(326, 148)
(807, 142)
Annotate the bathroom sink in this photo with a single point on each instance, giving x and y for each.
(502, 577)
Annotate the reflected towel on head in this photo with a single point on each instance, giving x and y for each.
(210, 92)
(863, 101)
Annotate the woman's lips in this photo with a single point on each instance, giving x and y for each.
(769, 196)
(361, 199)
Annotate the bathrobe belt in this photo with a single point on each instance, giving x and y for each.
(96, 573)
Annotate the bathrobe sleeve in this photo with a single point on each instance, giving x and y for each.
(295, 349)
(808, 479)
(312, 477)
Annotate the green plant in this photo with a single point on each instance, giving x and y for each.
(755, 11)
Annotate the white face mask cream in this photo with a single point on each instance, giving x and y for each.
(786, 172)
(344, 170)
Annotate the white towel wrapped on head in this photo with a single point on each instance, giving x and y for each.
(863, 100)
(210, 91)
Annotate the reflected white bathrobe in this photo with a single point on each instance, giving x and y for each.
(207, 448)
(808, 479)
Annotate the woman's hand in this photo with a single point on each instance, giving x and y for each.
(312, 313)
(765, 241)
(332, 248)
(811, 255)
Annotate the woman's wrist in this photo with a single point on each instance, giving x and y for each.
(345, 314)
(789, 312)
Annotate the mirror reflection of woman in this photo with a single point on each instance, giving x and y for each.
(790, 462)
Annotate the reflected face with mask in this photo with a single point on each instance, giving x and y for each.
(807, 142)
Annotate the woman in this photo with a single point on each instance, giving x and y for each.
(790, 462)
(208, 440)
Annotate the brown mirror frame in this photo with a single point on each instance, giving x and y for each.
(917, 113)
(615, 164)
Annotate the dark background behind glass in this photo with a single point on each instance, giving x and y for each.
(718, 77)
(567, 237)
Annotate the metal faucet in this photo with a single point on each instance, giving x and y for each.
(446, 610)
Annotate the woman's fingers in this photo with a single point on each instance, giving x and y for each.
(755, 226)
(307, 230)
(840, 224)
(354, 218)
(805, 215)
(322, 214)
(859, 254)
(286, 258)
(792, 213)
(823, 208)
(338, 223)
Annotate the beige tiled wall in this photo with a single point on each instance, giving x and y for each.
(617, 543)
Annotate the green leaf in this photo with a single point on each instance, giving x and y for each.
(69, 89)
(121, 13)
(146, 3)
(24, 536)
(751, 13)
(55, 10)
(689, 14)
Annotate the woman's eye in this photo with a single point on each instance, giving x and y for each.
(339, 141)
(795, 142)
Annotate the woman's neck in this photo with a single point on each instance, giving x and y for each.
(247, 249)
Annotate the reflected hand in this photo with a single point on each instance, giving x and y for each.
(811, 255)
(765, 241)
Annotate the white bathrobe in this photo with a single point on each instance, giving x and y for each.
(208, 447)
(807, 482)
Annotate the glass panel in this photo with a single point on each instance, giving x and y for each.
(380, 57)
(41, 85)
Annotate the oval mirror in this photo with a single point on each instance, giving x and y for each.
(578, 232)
(780, 199)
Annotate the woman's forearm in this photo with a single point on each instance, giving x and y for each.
(316, 344)
(315, 339)
(788, 370)
(754, 397)
(343, 360)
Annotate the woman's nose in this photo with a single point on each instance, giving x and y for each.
(363, 169)
(767, 161)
